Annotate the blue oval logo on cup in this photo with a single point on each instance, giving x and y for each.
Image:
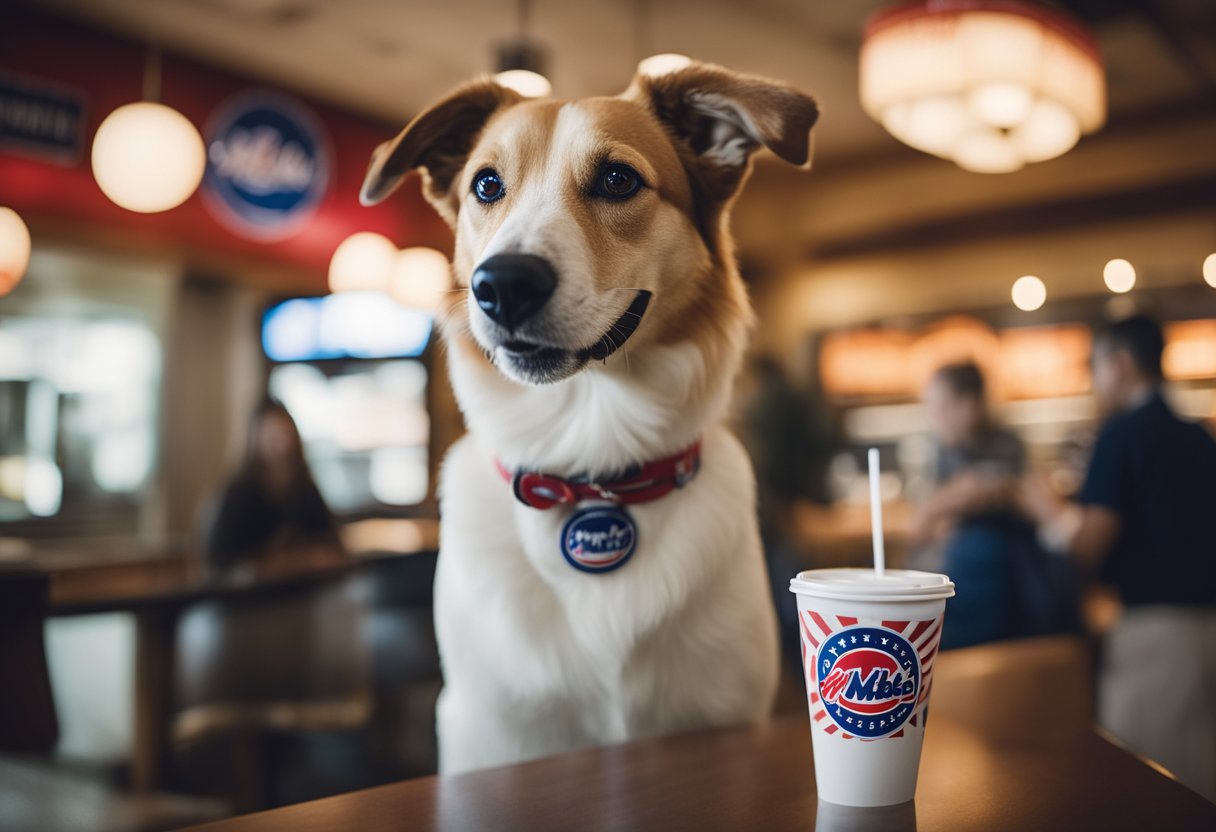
(267, 165)
(869, 680)
(599, 539)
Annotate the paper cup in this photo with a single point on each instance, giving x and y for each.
(868, 648)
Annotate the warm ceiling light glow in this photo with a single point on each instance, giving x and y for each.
(1001, 103)
(421, 277)
(1120, 275)
(148, 157)
(984, 151)
(527, 83)
(14, 249)
(362, 262)
(662, 64)
(1028, 293)
(1209, 270)
(989, 84)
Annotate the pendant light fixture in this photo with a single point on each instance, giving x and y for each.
(521, 61)
(420, 279)
(363, 262)
(988, 84)
(658, 64)
(148, 157)
(14, 249)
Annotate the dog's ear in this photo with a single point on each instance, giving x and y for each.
(438, 141)
(723, 117)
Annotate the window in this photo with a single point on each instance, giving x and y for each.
(80, 369)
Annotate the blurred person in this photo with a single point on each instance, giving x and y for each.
(791, 438)
(789, 435)
(1145, 520)
(1007, 587)
(271, 512)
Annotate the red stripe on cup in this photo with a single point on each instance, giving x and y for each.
(929, 638)
(806, 631)
(920, 627)
(823, 625)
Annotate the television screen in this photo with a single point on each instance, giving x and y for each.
(346, 325)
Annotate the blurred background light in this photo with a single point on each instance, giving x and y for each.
(398, 476)
(347, 325)
(362, 262)
(1119, 275)
(43, 487)
(365, 325)
(527, 83)
(1029, 293)
(989, 85)
(662, 64)
(105, 356)
(1209, 270)
(420, 279)
(148, 157)
(122, 461)
(14, 249)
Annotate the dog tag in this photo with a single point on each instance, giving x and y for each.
(599, 538)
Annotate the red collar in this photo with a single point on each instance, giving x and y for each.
(638, 485)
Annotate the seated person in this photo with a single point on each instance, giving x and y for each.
(271, 512)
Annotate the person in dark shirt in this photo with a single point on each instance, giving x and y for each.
(272, 506)
(1145, 520)
(968, 527)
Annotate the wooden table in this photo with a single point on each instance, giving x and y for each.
(999, 755)
(156, 585)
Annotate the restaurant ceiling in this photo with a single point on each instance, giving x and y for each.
(389, 58)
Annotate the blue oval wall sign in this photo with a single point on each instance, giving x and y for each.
(267, 165)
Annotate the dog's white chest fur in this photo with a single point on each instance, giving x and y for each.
(539, 657)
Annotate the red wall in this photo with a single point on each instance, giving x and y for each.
(108, 71)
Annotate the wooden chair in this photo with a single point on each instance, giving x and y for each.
(289, 661)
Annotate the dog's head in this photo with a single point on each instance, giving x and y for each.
(585, 229)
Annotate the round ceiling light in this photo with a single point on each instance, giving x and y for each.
(988, 84)
(14, 249)
(362, 262)
(421, 276)
(1029, 293)
(1119, 275)
(662, 64)
(148, 157)
(527, 83)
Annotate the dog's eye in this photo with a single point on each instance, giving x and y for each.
(487, 185)
(618, 182)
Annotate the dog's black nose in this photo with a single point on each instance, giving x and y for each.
(511, 288)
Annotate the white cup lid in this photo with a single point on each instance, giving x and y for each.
(864, 585)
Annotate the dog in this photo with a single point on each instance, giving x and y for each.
(601, 576)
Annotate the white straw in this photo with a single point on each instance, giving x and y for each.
(880, 556)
